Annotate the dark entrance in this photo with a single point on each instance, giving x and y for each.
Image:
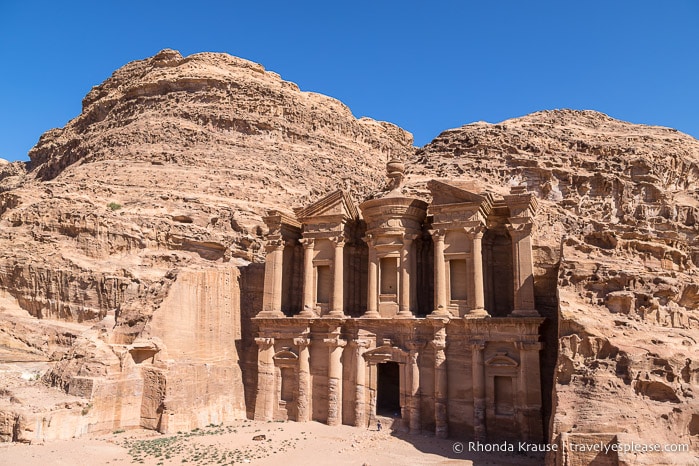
(388, 389)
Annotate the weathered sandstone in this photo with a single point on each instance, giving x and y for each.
(616, 253)
(131, 251)
(139, 217)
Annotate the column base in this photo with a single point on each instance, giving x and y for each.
(476, 314)
(371, 315)
(307, 313)
(525, 313)
(440, 313)
(335, 315)
(404, 315)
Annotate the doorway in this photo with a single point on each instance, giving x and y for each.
(388, 389)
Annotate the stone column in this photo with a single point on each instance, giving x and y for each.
(303, 401)
(414, 390)
(528, 401)
(413, 276)
(522, 269)
(360, 387)
(308, 283)
(440, 386)
(476, 295)
(264, 400)
(335, 346)
(478, 377)
(406, 257)
(272, 296)
(372, 392)
(338, 301)
(440, 276)
(372, 285)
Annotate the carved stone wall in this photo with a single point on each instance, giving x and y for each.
(448, 297)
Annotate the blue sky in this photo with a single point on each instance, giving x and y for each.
(426, 66)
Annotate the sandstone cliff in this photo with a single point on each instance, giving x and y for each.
(616, 252)
(131, 254)
(137, 221)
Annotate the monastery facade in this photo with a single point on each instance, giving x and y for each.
(422, 312)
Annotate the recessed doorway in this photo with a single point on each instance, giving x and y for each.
(388, 389)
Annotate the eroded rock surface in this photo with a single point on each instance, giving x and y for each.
(617, 244)
(137, 219)
(130, 249)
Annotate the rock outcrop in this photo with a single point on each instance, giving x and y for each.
(130, 244)
(616, 252)
(137, 220)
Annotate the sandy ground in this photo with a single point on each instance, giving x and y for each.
(286, 443)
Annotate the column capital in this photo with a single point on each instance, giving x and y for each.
(358, 343)
(334, 342)
(477, 345)
(338, 241)
(529, 345)
(264, 341)
(438, 234)
(308, 243)
(409, 238)
(302, 342)
(520, 229)
(274, 245)
(475, 231)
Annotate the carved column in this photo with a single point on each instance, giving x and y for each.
(372, 285)
(335, 346)
(308, 284)
(440, 276)
(303, 401)
(440, 385)
(413, 276)
(272, 296)
(264, 401)
(414, 389)
(476, 295)
(522, 269)
(478, 376)
(406, 258)
(360, 390)
(338, 301)
(372, 393)
(529, 399)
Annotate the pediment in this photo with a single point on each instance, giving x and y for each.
(385, 353)
(335, 204)
(501, 360)
(285, 355)
(445, 193)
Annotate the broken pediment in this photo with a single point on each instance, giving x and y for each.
(282, 224)
(446, 193)
(335, 204)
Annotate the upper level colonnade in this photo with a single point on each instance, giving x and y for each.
(465, 255)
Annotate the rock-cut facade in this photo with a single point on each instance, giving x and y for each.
(422, 312)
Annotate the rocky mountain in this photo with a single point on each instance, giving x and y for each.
(616, 252)
(130, 249)
(142, 216)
